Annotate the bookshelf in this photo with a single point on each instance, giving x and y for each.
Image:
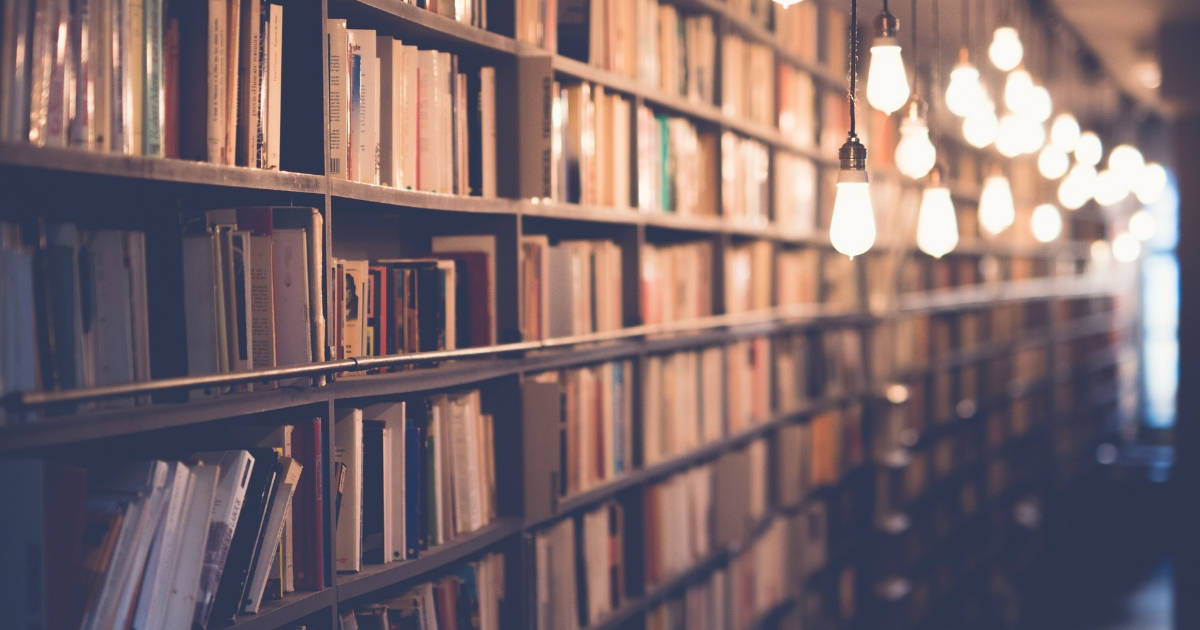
(154, 194)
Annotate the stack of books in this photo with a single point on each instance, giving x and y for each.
(744, 192)
(682, 402)
(677, 282)
(677, 165)
(591, 144)
(572, 287)
(469, 595)
(580, 569)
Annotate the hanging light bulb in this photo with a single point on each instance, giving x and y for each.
(1032, 134)
(964, 93)
(887, 81)
(1052, 163)
(1088, 149)
(1110, 188)
(1009, 141)
(1046, 223)
(1127, 162)
(1006, 50)
(1041, 105)
(1100, 252)
(980, 127)
(915, 153)
(1142, 225)
(1064, 133)
(1077, 187)
(1018, 91)
(1151, 183)
(996, 211)
(852, 227)
(937, 223)
(1126, 248)
(787, 3)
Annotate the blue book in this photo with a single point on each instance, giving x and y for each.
(618, 417)
(414, 445)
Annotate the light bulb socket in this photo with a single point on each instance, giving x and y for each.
(917, 107)
(964, 56)
(853, 155)
(934, 180)
(886, 25)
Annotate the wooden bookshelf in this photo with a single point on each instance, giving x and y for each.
(159, 191)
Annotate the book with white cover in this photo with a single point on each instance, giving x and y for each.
(281, 501)
(290, 276)
(274, 89)
(391, 120)
(164, 556)
(339, 97)
(235, 467)
(365, 118)
(487, 129)
(199, 304)
(347, 441)
(185, 584)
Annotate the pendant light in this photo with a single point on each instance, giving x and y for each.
(915, 153)
(1151, 183)
(852, 227)
(1009, 142)
(1046, 223)
(996, 211)
(1127, 162)
(1077, 187)
(964, 92)
(937, 223)
(1089, 149)
(1052, 163)
(1018, 91)
(1126, 248)
(887, 81)
(787, 3)
(981, 127)
(1111, 188)
(1006, 50)
(1142, 225)
(1064, 133)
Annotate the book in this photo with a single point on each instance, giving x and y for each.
(180, 606)
(232, 485)
(269, 541)
(251, 521)
(348, 432)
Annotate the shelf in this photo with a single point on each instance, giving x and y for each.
(290, 609)
(375, 577)
(434, 26)
(135, 167)
(345, 190)
(117, 421)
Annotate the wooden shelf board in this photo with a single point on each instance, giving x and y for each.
(376, 577)
(290, 609)
(77, 161)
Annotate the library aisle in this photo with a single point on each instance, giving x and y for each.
(598, 314)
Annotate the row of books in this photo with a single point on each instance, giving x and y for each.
(591, 146)
(677, 517)
(580, 569)
(252, 289)
(469, 596)
(166, 543)
(676, 281)
(415, 476)
(796, 102)
(595, 422)
(159, 78)
(744, 192)
(571, 287)
(677, 165)
(75, 309)
(797, 276)
(407, 117)
(747, 80)
(748, 277)
(748, 366)
(441, 301)
(683, 403)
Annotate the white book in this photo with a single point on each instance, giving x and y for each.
(281, 501)
(217, 67)
(348, 450)
(366, 116)
(133, 74)
(441, 485)
(164, 556)
(199, 304)
(262, 302)
(41, 67)
(595, 555)
(427, 130)
(410, 109)
(274, 85)
(391, 118)
(235, 468)
(291, 281)
(487, 130)
(393, 417)
(185, 584)
(233, 30)
(339, 98)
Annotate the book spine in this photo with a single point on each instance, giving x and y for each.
(338, 114)
(215, 64)
(152, 105)
(250, 67)
(274, 87)
(233, 24)
(133, 75)
(535, 93)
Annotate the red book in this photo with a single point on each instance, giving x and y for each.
(308, 522)
(474, 305)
